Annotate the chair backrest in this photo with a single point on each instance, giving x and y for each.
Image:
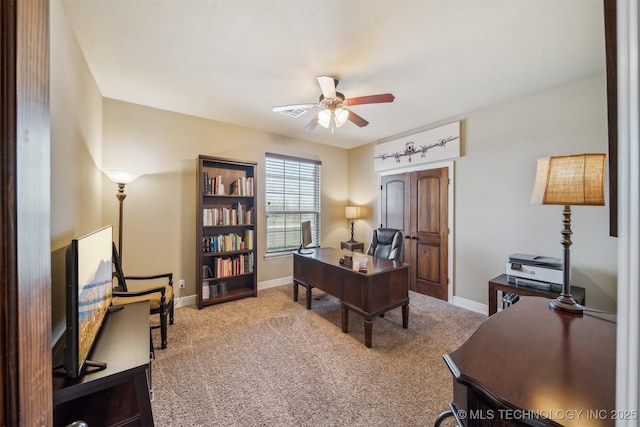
(117, 270)
(386, 243)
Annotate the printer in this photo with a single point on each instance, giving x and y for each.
(535, 271)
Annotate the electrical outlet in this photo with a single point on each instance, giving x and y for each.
(182, 283)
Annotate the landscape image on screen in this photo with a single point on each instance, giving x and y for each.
(94, 290)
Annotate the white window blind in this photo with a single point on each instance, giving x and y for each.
(292, 193)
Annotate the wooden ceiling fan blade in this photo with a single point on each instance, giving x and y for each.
(293, 107)
(328, 86)
(312, 124)
(356, 119)
(370, 99)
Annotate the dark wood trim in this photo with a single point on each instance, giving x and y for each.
(25, 266)
(610, 34)
(8, 263)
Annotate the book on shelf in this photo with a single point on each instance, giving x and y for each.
(242, 186)
(223, 243)
(205, 290)
(248, 239)
(236, 215)
(212, 185)
(233, 265)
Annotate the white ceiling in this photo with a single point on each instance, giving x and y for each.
(233, 60)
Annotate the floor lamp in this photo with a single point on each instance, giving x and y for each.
(352, 213)
(121, 177)
(569, 180)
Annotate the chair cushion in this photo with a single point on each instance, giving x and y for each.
(154, 298)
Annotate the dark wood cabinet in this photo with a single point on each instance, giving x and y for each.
(120, 394)
(500, 283)
(226, 261)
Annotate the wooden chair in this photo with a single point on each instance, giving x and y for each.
(386, 243)
(159, 295)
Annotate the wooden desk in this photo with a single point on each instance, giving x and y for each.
(500, 283)
(383, 287)
(532, 365)
(119, 394)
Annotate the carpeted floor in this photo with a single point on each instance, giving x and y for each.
(270, 361)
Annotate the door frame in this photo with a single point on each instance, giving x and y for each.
(428, 166)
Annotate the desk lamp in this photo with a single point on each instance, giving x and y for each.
(352, 213)
(121, 177)
(569, 180)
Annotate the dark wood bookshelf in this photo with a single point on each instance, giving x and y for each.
(211, 172)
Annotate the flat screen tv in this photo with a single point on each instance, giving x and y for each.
(305, 229)
(88, 298)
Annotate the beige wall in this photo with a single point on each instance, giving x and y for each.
(159, 211)
(76, 152)
(493, 184)
(364, 191)
(495, 179)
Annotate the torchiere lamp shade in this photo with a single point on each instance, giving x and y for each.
(122, 176)
(570, 180)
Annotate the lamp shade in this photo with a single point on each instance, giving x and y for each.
(122, 176)
(570, 180)
(324, 118)
(352, 212)
(341, 116)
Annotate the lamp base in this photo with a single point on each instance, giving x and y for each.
(566, 303)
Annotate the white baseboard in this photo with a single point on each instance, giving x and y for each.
(275, 282)
(471, 305)
(188, 300)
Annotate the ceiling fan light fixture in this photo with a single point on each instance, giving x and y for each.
(324, 118)
(331, 103)
(341, 116)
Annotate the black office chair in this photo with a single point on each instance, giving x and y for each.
(386, 243)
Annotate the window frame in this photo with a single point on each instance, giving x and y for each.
(306, 207)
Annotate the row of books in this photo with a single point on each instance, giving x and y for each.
(213, 185)
(228, 242)
(237, 215)
(242, 186)
(233, 265)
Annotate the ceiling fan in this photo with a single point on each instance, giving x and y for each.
(333, 105)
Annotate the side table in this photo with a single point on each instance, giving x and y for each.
(500, 283)
(352, 246)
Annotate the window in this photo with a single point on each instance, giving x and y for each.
(292, 193)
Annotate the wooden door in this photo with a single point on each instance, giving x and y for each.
(429, 232)
(416, 203)
(394, 207)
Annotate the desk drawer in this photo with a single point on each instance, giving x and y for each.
(319, 275)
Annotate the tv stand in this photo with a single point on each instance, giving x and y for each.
(89, 367)
(119, 394)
